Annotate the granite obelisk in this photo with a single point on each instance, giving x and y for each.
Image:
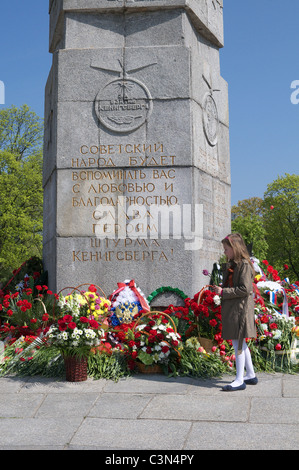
(136, 152)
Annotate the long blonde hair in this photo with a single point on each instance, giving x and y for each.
(236, 242)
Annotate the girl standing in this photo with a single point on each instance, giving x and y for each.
(238, 321)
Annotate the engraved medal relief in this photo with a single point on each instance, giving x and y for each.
(210, 119)
(124, 104)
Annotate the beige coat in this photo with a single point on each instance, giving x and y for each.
(238, 321)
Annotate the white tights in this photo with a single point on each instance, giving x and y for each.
(243, 361)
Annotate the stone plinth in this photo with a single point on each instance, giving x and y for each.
(136, 165)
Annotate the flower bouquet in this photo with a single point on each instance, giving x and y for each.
(25, 314)
(154, 341)
(207, 310)
(275, 332)
(75, 333)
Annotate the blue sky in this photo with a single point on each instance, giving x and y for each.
(260, 60)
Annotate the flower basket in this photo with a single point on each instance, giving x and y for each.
(75, 368)
(206, 343)
(150, 314)
(201, 293)
(76, 333)
(158, 344)
(151, 369)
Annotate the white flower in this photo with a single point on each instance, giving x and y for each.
(141, 327)
(274, 286)
(277, 334)
(217, 300)
(264, 326)
(162, 327)
(156, 357)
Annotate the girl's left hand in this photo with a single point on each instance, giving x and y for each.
(217, 290)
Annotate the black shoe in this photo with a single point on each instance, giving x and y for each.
(253, 381)
(229, 388)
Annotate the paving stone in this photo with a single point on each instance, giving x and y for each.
(66, 404)
(37, 432)
(14, 405)
(225, 407)
(154, 384)
(116, 405)
(290, 387)
(131, 434)
(52, 385)
(242, 436)
(274, 410)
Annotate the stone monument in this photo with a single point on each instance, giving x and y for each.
(136, 151)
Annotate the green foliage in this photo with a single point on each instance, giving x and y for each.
(21, 131)
(196, 364)
(271, 225)
(281, 221)
(31, 361)
(252, 230)
(21, 193)
(21, 200)
(248, 207)
(107, 366)
(270, 361)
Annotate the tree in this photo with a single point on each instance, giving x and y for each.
(21, 131)
(21, 194)
(248, 207)
(252, 230)
(21, 200)
(248, 221)
(281, 221)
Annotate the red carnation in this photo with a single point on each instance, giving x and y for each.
(67, 318)
(72, 325)
(84, 320)
(93, 324)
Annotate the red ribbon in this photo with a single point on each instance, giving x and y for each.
(258, 295)
(131, 284)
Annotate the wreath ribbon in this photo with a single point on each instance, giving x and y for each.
(131, 284)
